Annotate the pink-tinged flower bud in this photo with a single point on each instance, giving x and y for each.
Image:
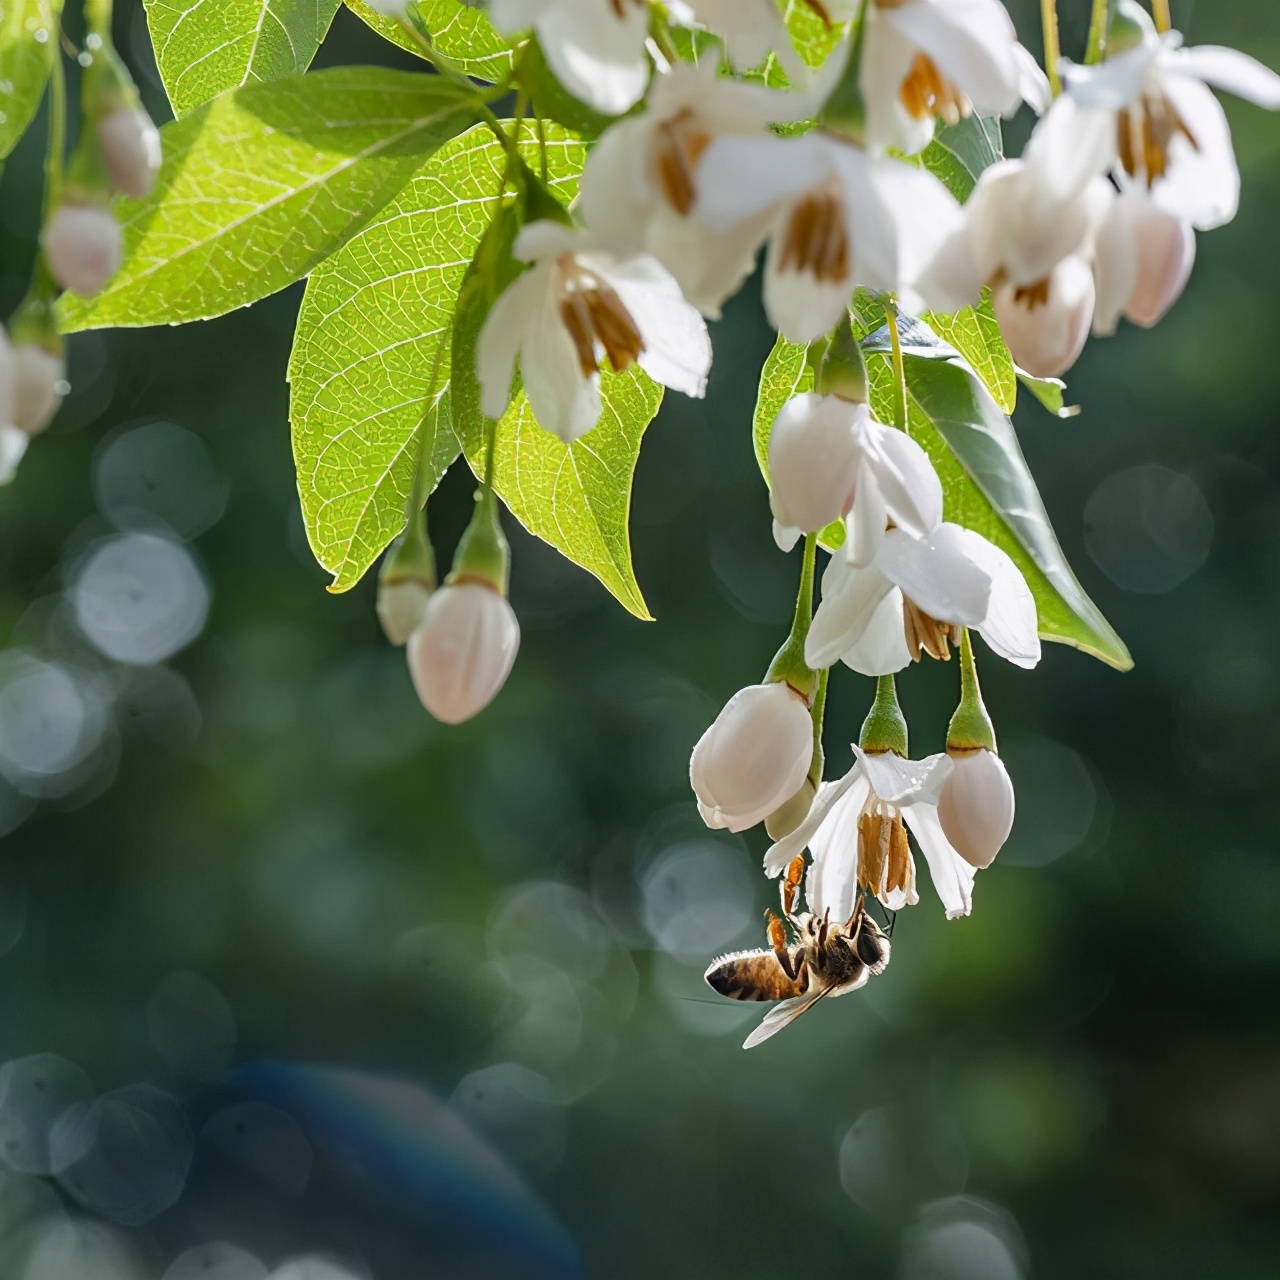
(13, 444)
(401, 607)
(130, 150)
(462, 651)
(754, 758)
(38, 387)
(1045, 324)
(813, 461)
(84, 247)
(1166, 248)
(976, 806)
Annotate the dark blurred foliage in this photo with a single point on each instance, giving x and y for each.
(1091, 1060)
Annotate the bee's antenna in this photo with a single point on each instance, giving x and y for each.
(891, 918)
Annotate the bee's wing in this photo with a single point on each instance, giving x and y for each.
(780, 1016)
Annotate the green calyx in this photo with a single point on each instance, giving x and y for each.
(411, 557)
(35, 322)
(845, 111)
(483, 554)
(885, 728)
(970, 728)
(1127, 27)
(842, 371)
(789, 665)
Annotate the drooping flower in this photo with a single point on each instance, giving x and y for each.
(924, 60)
(914, 596)
(462, 650)
(829, 459)
(84, 247)
(38, 386)
(836, 217)
(754, 757)
(575, 306)
(857, 832)
(595, 47)
(130, 150)
(641, 180)
(1148, 111)
(976, 805)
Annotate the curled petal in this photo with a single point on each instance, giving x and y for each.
(901, 781)
(781, 852)
(850, 598)
(1009, 626)
(937, 574)
(1202, 182)
(881, 649)
(1228, 69)
(952, 876)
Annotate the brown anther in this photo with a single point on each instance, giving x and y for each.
(884, 856)
(927, 92)
(1144, 132)
(679, 146)
(816, 240)
(899, 859)
(595, 316)
(925, 634)
(1034, 295)
(619, 7)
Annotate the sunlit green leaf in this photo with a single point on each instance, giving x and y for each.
(975, 334)
(462, 32)
(812, 38)
(28, 43)
(363, 373)
(262, 184)
(1051, 392)
(960, 152)
(205, 47)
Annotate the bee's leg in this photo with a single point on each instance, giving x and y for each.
(791, 885)
(854, 922)
(777, 935)
(823, 928)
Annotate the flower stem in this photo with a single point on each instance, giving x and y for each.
(1097, 46)
(970, 728)
(899, 369)
(789, 665)
(1160, 11)
(1052, 45)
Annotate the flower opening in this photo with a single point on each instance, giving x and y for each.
(596, 319)
(678, 146)
(815, 240)
(1144, 132)
(926, 93)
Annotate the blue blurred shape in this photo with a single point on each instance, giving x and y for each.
(423, 1187)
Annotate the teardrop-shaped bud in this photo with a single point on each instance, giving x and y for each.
(130, 150)
(976, 806)
(1166, 249)
(402, 605)
(38, 386)
(463, 650)
(813, 461)
(84, 247)
(1045, 324)
(753, 758)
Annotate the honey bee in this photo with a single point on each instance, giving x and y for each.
(819, 959)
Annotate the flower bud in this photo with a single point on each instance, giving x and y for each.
(402, 605)
(13, 444)
(975, 806)
(130, 150)
(754, 758)
(38, 380)
(84, 248)
(791, 813)
(1166, 248)
(463, 649)
(813, 461)
(1045, 324)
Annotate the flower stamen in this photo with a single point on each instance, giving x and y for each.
(816, 240)
(927, 92)
(597, 319)
(1034, 295)
(884, 854)
(925, 634)
(1143, 134)
(680, 145)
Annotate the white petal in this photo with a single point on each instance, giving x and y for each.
(1115, 264)
(1072, 144)
(1010, 625)
(563, 399)
(1202, 183)
(900, 781)
(912, 490)
(850, 598)
(887, 56)
(616, 198)
(547, 239)
(801, 308)
(1115, 82)
(710, 266)
(1046, 338)
(598, 56)
(739, 178)
(916, 215)
(881, 649)
(786, 536)
(937, 574)
(952, 876)
(954, 276)
(1033, 84)
(13, 444)
(781, 852)
(503, 334)
(867, 520)
(1228, 69)
(832, 883)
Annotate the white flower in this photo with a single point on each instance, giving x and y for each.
(83, 245)
(976, 806)
(38, 386)
(829, 459)
(576, 305)
(1045, 325)
(1149, 112)
(838, 218)
(857, 833)
(914, 595)
(595, 47)
(13, 444)
(753, 758)
(131, 150)
(924, 59)
(463, 650)
(401, 606)
(640, 183)
(1143, 261)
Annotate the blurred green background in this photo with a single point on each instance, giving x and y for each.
(1083, 1079)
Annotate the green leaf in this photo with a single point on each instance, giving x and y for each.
(959, 153)
(461, 32)
(552, 101)
(1051, 392)
(373, 321)
(975, 334)
(261, 185)
(205, 47)
(28, 44)
(811, 38)
(986, 483)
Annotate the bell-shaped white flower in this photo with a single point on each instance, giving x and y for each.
(595, 47)
(829, 459)
(857, 832)
(39, 382)
(914, 596)
(641, 180)
(131, 150)
(1143, 260)
(838, 218)
(463, 650)
(753, 758)
(1045, 324)
(84, 247)
(928, 59)
(576, 305)
(1149, 112)
(976, 806)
